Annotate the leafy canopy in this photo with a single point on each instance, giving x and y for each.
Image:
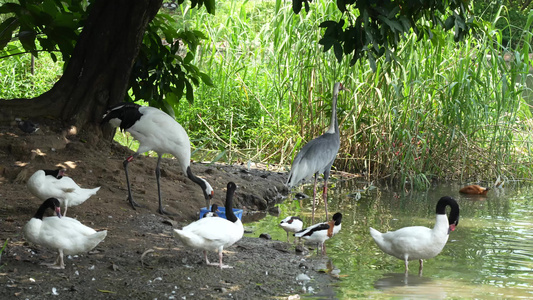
(163, 71)
(374, 28)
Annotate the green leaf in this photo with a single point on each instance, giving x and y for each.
(206, 79)
(189, 93)
(337, 48)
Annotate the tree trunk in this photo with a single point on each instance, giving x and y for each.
(98, 72)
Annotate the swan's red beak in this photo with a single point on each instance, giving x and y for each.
(58, 212)
(451, 228)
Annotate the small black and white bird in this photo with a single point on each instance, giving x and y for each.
(321, 232)
(212, 212)
(45, 184)
(66, 235)
(27, 126)
(317, 156)
(159, 132)
(291, 224)
(419, 242)
(213, 234)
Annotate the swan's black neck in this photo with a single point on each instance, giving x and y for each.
(49, 203)
(199, 181)
(56, 173)
(230, 216)
(453, 218)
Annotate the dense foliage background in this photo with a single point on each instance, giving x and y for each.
(441, 110)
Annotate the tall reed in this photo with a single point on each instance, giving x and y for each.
(443, 110)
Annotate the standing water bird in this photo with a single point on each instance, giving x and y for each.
(318, 155)
(419, 242)
(321, 232)
(291, 224)
(66, 235)
(212, 212)
(157, 131)
(210, 234)
(45, 184)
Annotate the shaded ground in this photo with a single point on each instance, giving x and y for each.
(117, 268)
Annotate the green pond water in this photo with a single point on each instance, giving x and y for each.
(488, 256)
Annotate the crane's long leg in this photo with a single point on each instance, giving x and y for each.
(125, 163)
(314, 197)
(421, 267)
(158, 176)
(325, 197)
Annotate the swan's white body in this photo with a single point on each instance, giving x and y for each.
(291, 224)
(64, 189)
(321, 232)
(66, 235)
(214, 233)
(415, 242)
(211, 234)
(418, 242)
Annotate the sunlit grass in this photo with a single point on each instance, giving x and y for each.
(443, 110)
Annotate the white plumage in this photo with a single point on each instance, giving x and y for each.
(210, 234)
(291, 224)
(56, 185)
(157, 131)
(419, 242)
(317, 156)
(321, 232)
(66, 235)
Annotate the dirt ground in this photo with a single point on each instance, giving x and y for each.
(117, 268)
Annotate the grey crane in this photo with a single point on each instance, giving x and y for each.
(317, 156)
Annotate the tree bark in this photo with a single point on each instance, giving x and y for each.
(98, 72)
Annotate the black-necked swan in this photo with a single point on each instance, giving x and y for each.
(46, 184)
(291, 224)
(66, 235)
(419, 242)
(321, 232)
(211, 234)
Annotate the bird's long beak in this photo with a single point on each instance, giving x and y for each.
(58, 212)
(208, 199)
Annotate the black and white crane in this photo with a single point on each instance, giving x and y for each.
(157, 131)
(317, 156)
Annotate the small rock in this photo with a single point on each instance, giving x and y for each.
(303, 277)
(169, 222)
(265, 236)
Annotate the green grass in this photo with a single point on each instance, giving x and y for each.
(16, 78)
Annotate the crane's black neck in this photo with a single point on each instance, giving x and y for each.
(453, 218)
(199, 181)
(230, 216)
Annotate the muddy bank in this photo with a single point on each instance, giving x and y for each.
(117, 269)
